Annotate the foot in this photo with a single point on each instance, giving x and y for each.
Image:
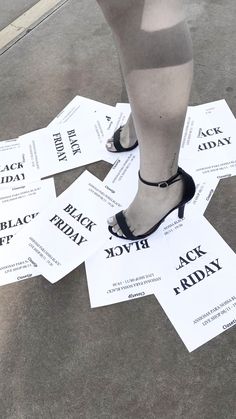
(149, 206)
(127, 138)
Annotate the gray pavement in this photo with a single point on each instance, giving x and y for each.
(58, 358)
(12, 10)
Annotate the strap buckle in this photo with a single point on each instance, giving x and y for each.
(163, 184)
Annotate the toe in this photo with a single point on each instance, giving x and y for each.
(110, 145)
(119, 233)
(115, 228)
(111, 221)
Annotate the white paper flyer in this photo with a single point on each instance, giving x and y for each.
(124, 270)
(71, 229)
(20, 206)
(209, 141)
(74, 111)
(15, 170)
(198, 293)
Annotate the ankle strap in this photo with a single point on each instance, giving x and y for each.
(163, 183)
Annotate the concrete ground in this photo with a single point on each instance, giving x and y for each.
(11, 10)
(58, 358)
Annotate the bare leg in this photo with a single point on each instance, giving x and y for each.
(156, 59)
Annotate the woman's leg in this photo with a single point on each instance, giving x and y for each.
(156, 58)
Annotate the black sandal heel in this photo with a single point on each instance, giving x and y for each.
(189, 192)
(181, 211)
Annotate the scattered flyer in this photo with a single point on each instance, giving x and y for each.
(19, 206)
(70, 229)
(122, 179)
(12, 145)
(110, 117)
(74, 111)
(129, 269)
(104, 119)
(209, 140)
(107, 120)
(15, 265)
(198, 293)
(77, 142)
(67, 147)
(204, 192)
(14, 169)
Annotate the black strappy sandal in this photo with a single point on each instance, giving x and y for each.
(116, 141)
(189, 191)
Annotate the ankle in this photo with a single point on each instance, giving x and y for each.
(157, 176)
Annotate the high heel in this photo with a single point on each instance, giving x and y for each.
(181, 211)
(116, 141)
(188, 194)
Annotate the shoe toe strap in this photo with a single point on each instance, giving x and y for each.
(116, 140)
(121, 221)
